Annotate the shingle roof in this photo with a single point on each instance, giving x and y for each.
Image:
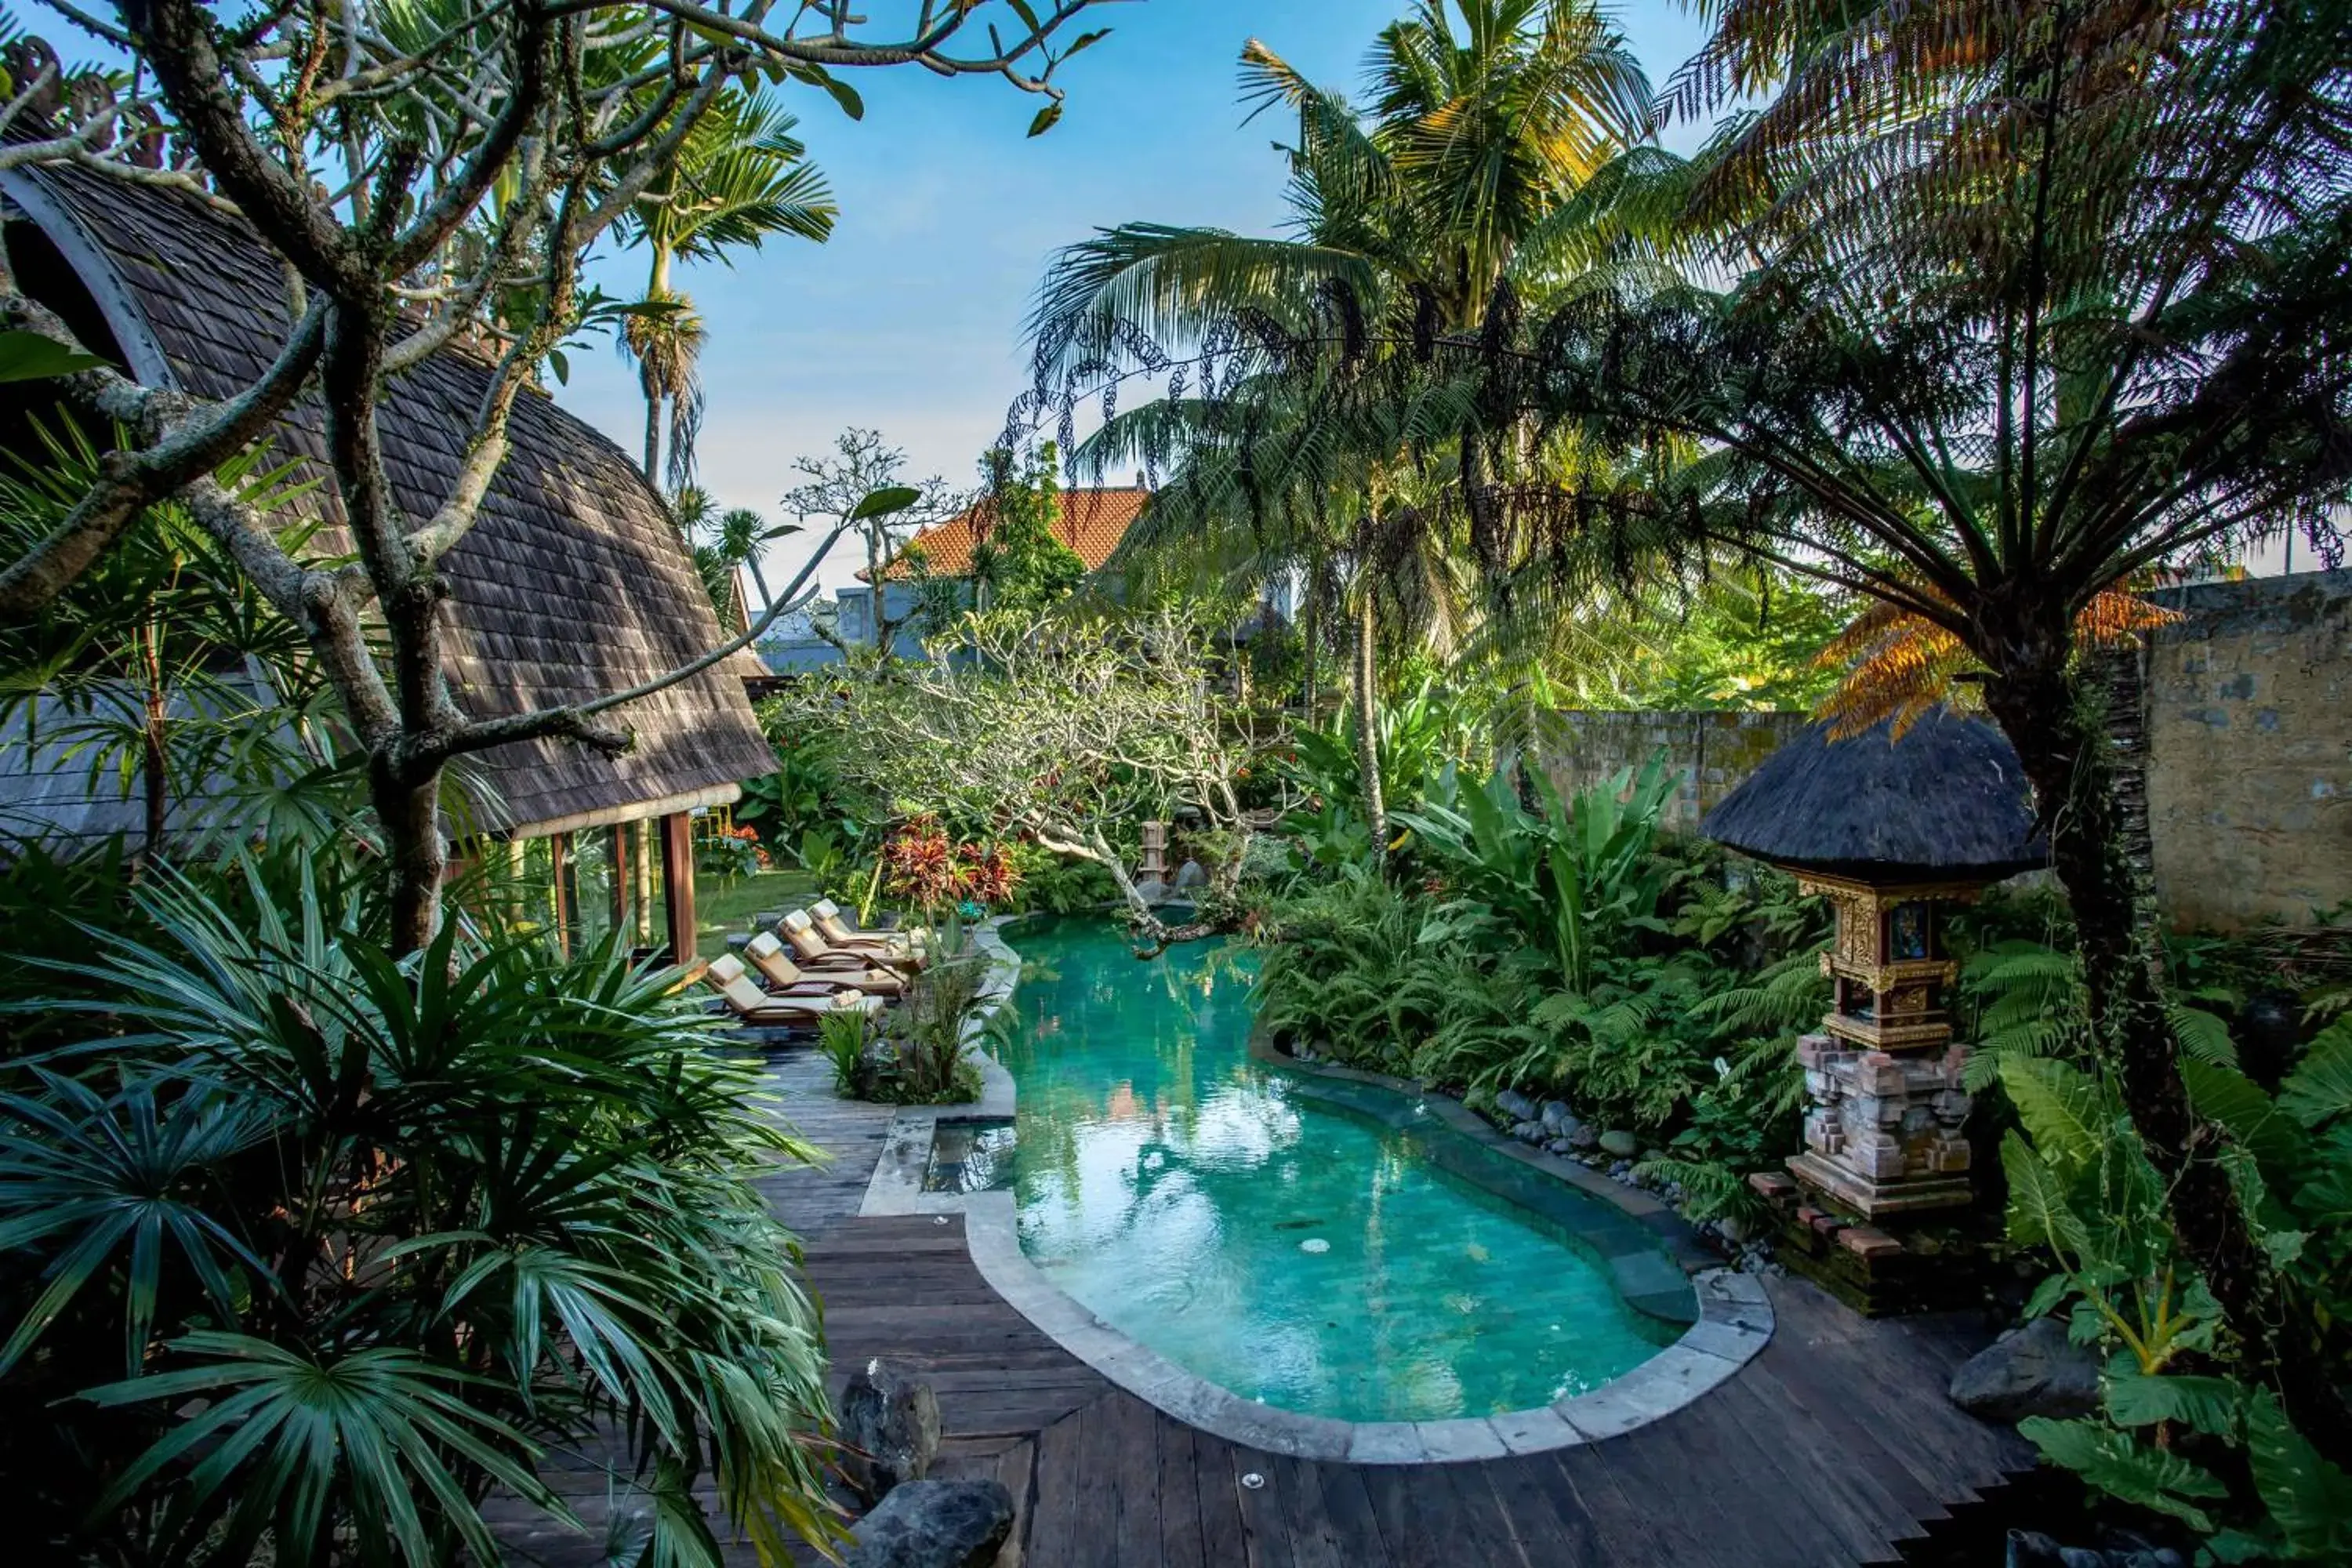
(573, 582)
(1949, 797)
(1093, 523)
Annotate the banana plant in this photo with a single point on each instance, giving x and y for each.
(1574, 873)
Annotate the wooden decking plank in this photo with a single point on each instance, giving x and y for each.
(1224, 1537)
(1780, 1435)
(1052, 1526)
(1266, 1528)
(1132, 1445)
(1544, 1513)
(1182, 1538)
(1487, 1525)
(1637, 1520)
(1095, 1533)
(1016, 1468)
(1416, 1520)
(1349, 1505)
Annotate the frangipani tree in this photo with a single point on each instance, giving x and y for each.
(1067, 728)
(427, 174)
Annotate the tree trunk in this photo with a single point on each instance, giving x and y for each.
(410, 813)
(2064, 750)
(652, 439)
(1368, 731)
(154, 762)
(1306, 648)
(877, 595)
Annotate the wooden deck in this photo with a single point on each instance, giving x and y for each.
(1832, 1447)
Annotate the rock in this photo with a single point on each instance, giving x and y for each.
(1529, 1132)
(1556, 1114)
(934, 1524)
(1580, 1136)
(1732, 1228)
(1152, 891)
(1619, 1143)
(890, 1424)
(1517, 1106)
(1560, 1146)
(2029, 1371)
(2032, 1549)
(1190, 874)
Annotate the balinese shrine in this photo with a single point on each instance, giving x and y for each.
(1895, 832)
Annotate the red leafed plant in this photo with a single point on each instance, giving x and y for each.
(921, 865)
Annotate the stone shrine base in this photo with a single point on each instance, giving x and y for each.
(1939, 1263)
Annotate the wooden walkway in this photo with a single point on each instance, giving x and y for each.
(1832, 1447)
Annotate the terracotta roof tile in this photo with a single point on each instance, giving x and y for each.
(1093, 523)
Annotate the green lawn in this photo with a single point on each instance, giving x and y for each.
(725, 905)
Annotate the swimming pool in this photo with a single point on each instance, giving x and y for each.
(1320, 1248)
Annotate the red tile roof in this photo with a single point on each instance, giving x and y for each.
(1093, 523)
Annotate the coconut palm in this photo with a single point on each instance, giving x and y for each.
(1429, 212)
(742, 177)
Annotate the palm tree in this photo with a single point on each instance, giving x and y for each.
(1428, 214)
(2023, 302)
(740, 177)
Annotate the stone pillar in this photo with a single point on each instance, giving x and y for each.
(1883, 1132)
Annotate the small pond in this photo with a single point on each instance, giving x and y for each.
(1324, 1249)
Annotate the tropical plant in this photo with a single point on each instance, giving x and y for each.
(1019, 561)
(927, 1038)
(1447, 197)
(2186, 1427)
(425, 175)
(1986, 389)
(861, 464)
(1576, 875)
(308, 1248)
(1067, 731)
(739, 178)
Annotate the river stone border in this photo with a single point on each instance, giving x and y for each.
(1730, 1317)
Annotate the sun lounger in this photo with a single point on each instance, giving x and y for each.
(744, 998)
(786, 978)
(834, 926)
(815, 952)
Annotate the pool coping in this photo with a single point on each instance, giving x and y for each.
(1734, 1317)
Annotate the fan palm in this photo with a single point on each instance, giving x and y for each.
(742, 177)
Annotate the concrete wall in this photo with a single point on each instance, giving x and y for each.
(2250, 751)
(1711, 751)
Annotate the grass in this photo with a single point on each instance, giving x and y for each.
(724, 906)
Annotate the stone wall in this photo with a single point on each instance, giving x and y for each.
(1712, 753)
(2249, 730)
(2250, 751)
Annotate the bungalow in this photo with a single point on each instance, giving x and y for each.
(572, 583)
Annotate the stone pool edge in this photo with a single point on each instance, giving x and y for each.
(1734, 1316)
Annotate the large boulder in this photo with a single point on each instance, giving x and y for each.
(2030, 1371)
(934, 1524)
(890, 1428)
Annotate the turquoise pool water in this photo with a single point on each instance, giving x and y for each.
(1224, 1214)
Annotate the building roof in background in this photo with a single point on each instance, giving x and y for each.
(573, 582)
(1092, 521)
(1949, 798)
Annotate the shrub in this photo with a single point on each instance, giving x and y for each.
(303, 1251)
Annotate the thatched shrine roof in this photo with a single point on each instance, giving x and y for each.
(572, 584)
(1950, 798)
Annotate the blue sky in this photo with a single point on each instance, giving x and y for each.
(908, 320)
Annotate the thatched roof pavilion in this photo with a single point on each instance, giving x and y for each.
(572, 583)
(1948, 799)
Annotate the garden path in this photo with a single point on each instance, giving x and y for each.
(1832, 1447)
